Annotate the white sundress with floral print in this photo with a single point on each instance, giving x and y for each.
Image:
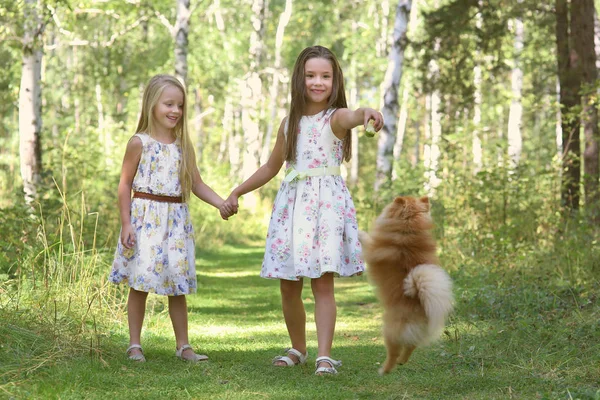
(313, 227)
(163, 258)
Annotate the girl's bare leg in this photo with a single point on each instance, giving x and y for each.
(325, 314)
(136, 310)
(294, 315)
(179, 317)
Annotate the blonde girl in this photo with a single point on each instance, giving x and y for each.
(156, 251)
(313, 231)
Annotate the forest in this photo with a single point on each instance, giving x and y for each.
(490, 110)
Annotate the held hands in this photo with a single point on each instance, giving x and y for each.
(371, 114)
(127, 236)
(229, 207)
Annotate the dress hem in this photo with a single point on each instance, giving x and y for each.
(313, 276)
(153, 291)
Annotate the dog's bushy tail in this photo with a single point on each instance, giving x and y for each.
(433, 287)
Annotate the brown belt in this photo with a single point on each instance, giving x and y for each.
(155, 197)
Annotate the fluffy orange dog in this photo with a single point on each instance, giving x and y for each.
(415, 292)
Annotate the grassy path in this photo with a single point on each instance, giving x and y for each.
(500, 344)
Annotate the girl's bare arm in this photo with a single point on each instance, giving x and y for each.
(203, 191)
(344, 119)
(133, 153)
(263, 175)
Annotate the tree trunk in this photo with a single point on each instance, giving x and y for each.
(431, 156)
(251, 92)
(515, 141)
(417, 147)
(352, 87)
(570, 83)
(387, 136)
(235, 147)
(431, 150)
(251, 89)
(582, 14)
(407, 85)
(30, 104)
(284, 19)
(381, 23)
(104, 135)
(227, 128)
(75, 91)
(180, 35)
(401, 132)
(476, 148)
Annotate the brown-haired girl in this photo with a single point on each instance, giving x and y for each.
(155, 253)
(313, 231)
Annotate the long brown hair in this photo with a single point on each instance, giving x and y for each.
(298, 103)
(146, 124)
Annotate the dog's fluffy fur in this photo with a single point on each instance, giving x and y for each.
(415, 292)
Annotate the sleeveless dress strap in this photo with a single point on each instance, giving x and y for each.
(329, 112)
(143, 137)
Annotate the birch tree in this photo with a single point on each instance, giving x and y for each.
(352, 86)
(387, 137)
(284, 19)
(431, 149)
(30, 104)
(381, 23)
(179, 32)
(515, 141)
(476, 147)
(407, 86)
(251, 92)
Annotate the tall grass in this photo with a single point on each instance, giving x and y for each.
(55, 300)
(57, 304)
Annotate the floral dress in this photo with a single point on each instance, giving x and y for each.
(313, 227)
(162, 261)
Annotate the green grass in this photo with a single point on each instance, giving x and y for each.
(518, 334)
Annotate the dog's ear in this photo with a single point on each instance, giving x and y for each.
(399, 200)
(425, 201)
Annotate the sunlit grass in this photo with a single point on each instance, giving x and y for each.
(511, 336)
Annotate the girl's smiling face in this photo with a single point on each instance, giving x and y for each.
(169, 109)
(318, 77)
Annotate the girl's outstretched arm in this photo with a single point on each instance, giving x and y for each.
(133, 153)
(263, 175)
(203, 191)
(344, 119)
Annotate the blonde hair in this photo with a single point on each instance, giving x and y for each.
(146, 124)
(298, 103)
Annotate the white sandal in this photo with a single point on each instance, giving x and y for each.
(288, 361)
(325, 370)
(136, 357)
(196, 358)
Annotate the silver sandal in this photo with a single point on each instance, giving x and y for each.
(325, 370)
(136, 357)
(196, 358)
(288, 361)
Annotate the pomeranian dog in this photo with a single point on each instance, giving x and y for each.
(415, 292)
